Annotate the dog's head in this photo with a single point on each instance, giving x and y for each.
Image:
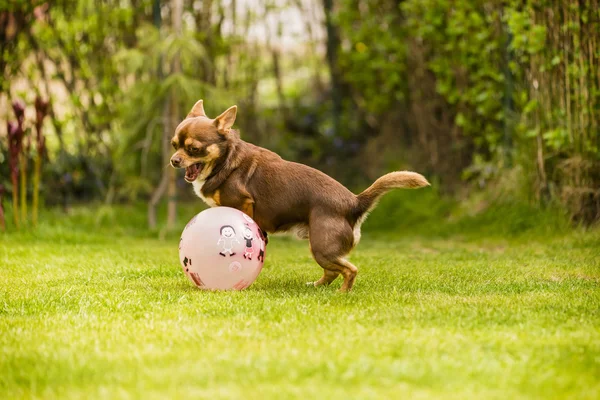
(199, 141)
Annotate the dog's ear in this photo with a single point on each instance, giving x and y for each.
(197, 110)
(225, 121)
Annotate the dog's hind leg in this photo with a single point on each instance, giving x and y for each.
(326, 279)
(331, 238)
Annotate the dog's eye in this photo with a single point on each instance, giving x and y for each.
(194, 149)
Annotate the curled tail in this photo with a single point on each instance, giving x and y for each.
(368, 199)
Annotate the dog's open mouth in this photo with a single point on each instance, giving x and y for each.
(192, 172)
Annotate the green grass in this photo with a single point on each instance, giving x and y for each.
(100, 313)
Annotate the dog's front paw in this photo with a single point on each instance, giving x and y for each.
(313, 284)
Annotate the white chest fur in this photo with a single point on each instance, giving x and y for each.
(197, 184)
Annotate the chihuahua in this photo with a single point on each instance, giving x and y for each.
(279, 195)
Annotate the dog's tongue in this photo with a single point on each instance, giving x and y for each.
(191, 172)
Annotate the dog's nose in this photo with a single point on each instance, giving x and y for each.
(175, 161)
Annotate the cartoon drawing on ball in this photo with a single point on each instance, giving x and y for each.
(261, 252)
(235, 266)
(187, 261)
(248, 238)
(196, 278)
(191, 222)
(227, 238)
(242, 284)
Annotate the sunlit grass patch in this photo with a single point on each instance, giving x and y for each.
(428, 318)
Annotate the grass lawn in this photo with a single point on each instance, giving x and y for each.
(93, 315)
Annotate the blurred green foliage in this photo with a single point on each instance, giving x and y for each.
(425, 213)
(465, 91)
(515, 83)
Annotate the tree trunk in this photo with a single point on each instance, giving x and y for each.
(333, 45)
(171, 176)
(161, 189)
(279, 83)
(177, 11)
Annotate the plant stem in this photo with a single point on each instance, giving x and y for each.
(23, 189)
(15, 199)
(36, 189)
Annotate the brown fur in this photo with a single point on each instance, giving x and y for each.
(280, 195)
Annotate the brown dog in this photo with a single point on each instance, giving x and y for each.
(279, 195)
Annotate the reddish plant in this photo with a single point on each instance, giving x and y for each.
(2, 222)
(15, 144)
(19, 109)
(41, 110)
(24, 161)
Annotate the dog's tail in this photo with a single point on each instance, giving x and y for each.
(368, 199)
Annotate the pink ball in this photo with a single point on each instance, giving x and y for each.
(222, 248)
